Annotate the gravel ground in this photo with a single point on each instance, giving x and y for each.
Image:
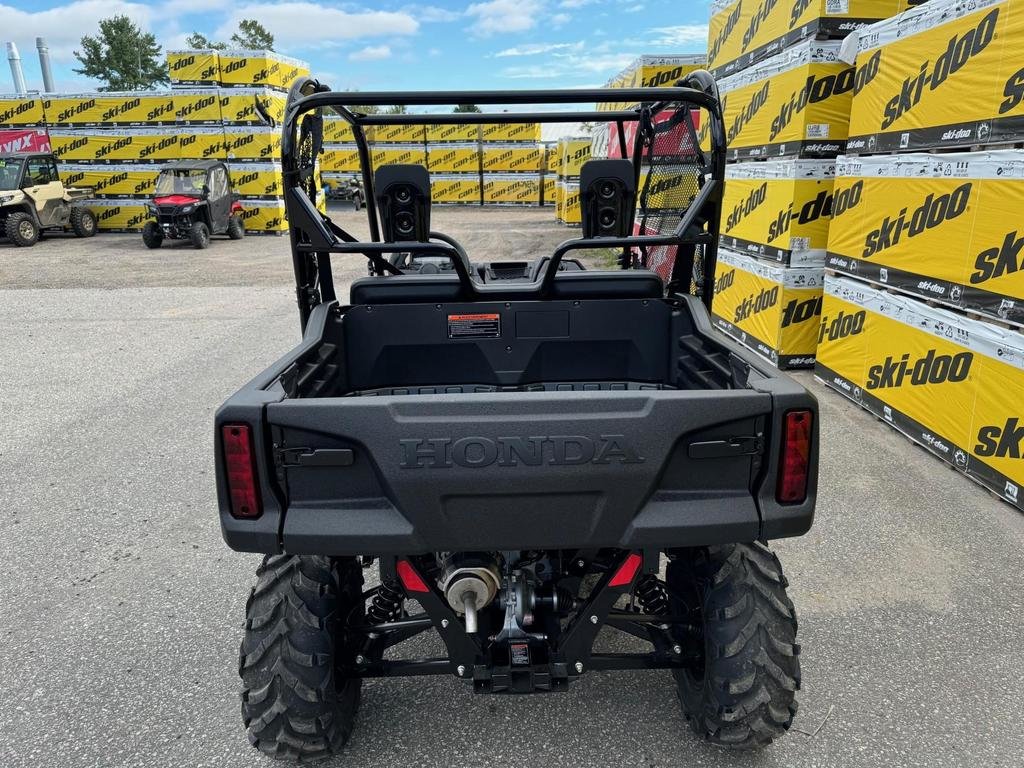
(123, 608)
(122, 261)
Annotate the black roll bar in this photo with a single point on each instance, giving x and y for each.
(314, 237)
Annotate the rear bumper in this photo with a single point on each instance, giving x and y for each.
(516, 471)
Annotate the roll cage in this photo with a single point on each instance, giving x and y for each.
(691, 233)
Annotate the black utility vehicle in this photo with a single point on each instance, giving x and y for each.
(193, 201)
(526, 453)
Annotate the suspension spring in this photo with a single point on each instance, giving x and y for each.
(386, 604)
(652, 595)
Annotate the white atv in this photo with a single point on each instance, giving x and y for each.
(33, 200)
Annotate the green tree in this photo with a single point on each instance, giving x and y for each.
(466, 108)
(251, 35)
(122, 56)
(200, 41)
(396, 109)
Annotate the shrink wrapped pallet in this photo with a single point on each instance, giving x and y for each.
(340, 158)
(112, 181)
(193, 67)
(571, 212)
(244, 143)
(779, 209)
(256, 180)
(511, 188)
(119, 215)
(243, 106)
(511, 158)
(453, 158)
(459, 133)
(242, 68)
(21, 110)
(337, 131)
(397, 134)
(399, 154)
(263, 216)
(769, 308)
(742, 32)
(197, 106)
(124, 145)
(943, 227)
(455, 188)
(505, 132)
(110, 109)
(947, 74)
(796, 103)
(652, 72)
(949, 383)
(203, 143)
(575, 152)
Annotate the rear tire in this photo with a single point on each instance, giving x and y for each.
(199, 234)
(152, 235)
(740, 690)
(236, 227)
(83, 222)
(21, 229)
(297, 703)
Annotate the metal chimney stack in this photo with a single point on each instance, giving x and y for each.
(44, 64)
(16, 74)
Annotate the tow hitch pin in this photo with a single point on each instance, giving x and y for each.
(469, 608)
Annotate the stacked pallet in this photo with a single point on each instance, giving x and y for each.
(786, 96)
(499, 164)
(453, 159)
(652, 72)
(742, 34)
(222, 105)
(572, 153)
(924, 300)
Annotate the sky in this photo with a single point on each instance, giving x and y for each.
(493, 44)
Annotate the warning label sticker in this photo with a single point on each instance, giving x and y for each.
(485, 326)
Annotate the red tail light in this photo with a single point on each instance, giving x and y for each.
(240, 464)
(411, 580)
(796, 457)
(627, 571)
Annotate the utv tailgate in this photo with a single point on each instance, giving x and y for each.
(514, 470)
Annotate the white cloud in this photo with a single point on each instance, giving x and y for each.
(64, 26)
(566, 66)
(534, 49)
(576, 3)
(634, 8)
(685, 34)
(504, 16)
(310, 25)
(432, 13)
(371, 53)
(560, 20)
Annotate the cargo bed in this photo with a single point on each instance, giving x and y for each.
(398, 428)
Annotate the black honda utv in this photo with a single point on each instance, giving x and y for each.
(516, 455)
(193, 200)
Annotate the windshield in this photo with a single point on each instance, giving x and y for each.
(10, 173)
(180, 182)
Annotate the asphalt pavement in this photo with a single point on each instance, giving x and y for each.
(122, 607)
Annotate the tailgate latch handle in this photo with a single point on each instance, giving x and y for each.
(734, 446)
(319, 457)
